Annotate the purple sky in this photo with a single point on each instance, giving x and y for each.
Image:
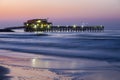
(61, 12)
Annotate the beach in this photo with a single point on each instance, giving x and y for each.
(27, 73)
(17, 67)
(11, 69)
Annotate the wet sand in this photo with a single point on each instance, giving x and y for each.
(22, 72)
(15, 66)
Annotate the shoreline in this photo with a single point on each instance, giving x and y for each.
(20, 69)
(13, 70)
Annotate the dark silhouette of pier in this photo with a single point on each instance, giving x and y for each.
(66, 29)
(17, 27)
(11, 29)
(56, 29)
(42, 25)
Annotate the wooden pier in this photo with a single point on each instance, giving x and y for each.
(42, 25)
(66, 29)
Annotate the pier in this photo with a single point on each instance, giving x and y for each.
(42, 25)
(66, 29)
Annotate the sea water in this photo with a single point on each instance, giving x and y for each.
(67, 50)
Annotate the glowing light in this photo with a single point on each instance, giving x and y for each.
(101, 25)
(74, 26)
(45, 24)
(27, 24)
(82, 26)
(48, 26)
(39, 21)
(33, 61)
(42, 25)
(35, 26)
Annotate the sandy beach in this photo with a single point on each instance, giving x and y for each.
(10, 71)
(15, 66)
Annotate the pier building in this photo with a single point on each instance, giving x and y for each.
(37, 25)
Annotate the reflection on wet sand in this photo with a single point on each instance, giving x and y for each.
(48, 63)
(36, 62)
(64, 63)
(78, 70)
(32, 68)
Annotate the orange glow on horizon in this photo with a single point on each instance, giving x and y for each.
(14, 9)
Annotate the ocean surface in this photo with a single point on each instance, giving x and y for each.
(67, 50)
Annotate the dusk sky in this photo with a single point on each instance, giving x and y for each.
(64, 12)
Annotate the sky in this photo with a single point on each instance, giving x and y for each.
(61, 12)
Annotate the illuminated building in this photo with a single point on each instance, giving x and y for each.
(37, 25)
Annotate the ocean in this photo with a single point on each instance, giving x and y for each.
(67, 50)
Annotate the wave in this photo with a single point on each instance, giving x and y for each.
(98, 46)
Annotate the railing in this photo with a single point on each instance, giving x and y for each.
(65, 29)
